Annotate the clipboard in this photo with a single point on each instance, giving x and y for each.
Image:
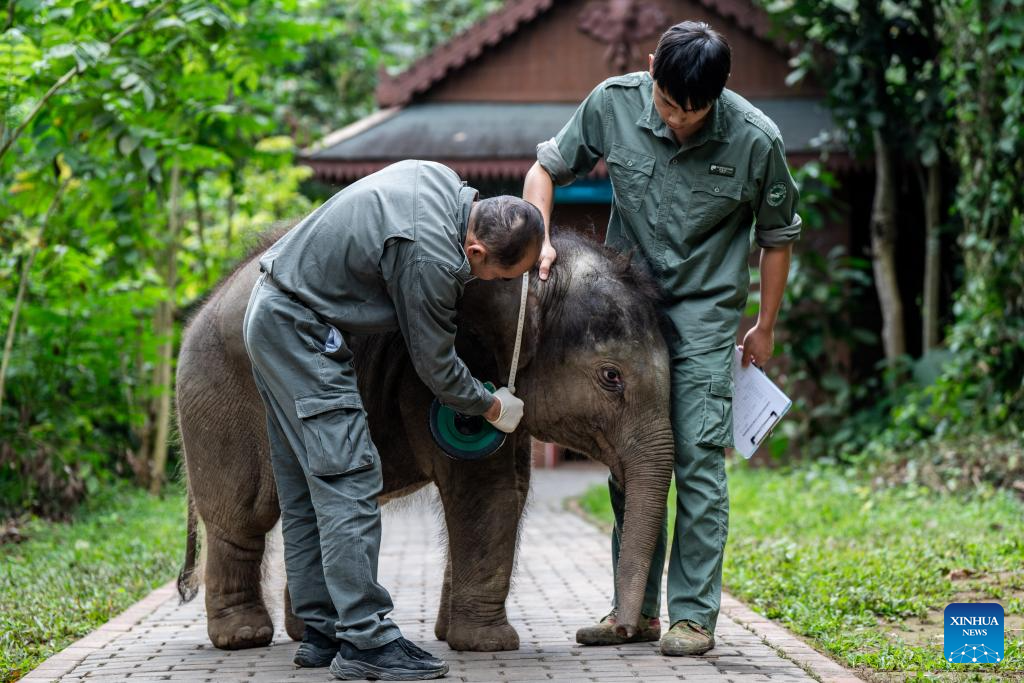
(757, 405)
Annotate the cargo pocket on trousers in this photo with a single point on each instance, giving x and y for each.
(716, 423)
(335, 433)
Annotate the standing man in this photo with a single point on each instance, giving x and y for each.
(392, 251)
(692, 166)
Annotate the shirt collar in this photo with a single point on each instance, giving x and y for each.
(715, 127)
(467, 195)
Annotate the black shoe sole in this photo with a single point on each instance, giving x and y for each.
(359, 671)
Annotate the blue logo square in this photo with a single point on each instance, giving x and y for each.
(973, 633)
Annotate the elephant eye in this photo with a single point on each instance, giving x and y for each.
(611, 378)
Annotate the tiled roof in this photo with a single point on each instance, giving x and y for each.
(498, 140)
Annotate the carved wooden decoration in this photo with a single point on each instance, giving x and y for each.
(621, 24)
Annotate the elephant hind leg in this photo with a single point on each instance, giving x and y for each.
(236, 616)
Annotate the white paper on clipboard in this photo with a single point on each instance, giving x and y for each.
(757, 405)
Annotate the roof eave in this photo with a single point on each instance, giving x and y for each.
(350, 131)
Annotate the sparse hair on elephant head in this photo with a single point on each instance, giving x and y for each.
(509, 227)
(605, 295)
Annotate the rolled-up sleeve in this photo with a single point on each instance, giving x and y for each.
(776, 221)
(425, 294)
(576, 149)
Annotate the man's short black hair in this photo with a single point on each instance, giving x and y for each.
(692, 63)
(509, 227)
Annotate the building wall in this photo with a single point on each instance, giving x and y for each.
(551, 60)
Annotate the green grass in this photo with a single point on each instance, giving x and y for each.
(866, 573)
(69, 578)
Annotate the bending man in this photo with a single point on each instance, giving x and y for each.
(392, 251)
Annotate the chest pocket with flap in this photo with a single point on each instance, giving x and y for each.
(631, 173)
(712, 200)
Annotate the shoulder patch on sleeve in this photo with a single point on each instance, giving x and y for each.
(765, 124)
(776, 194)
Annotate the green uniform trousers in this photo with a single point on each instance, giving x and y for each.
(327, 469)
(702, 427)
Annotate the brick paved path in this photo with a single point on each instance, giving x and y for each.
(562, 581)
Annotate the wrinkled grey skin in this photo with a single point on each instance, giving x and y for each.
(591, 321)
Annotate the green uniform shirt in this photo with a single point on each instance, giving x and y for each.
(687, 208)
(387, 253)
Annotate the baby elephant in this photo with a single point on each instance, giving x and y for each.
(593, 372)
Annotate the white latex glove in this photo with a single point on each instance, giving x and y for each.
(511, 411)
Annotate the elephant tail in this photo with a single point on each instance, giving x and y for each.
(187, 588)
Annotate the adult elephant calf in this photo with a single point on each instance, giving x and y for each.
(593, 372)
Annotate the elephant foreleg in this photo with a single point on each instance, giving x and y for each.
(236, 616)
(444, 610)
(483, 504)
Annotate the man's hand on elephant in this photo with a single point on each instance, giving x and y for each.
(758, 345)
(510, 413)
(547, 257)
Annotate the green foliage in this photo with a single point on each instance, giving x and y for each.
(976, 385)
(122, 97)
(80, 374)
(877, 61)
(942, 83)
(333, 83)
(984, 385)
(67, 579)
(859, 569)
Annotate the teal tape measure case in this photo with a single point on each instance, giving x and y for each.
(464, 437)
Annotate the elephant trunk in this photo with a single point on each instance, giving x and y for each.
(646, 473)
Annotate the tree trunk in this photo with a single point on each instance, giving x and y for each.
(165, 332)
(883, 252)
(19, 299)
(932, 259)
(145, 432)
(13, 324)
(201, 228)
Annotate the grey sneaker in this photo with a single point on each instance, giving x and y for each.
(686, 638)
(603, 632)
(399, 660)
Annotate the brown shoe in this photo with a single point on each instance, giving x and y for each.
(686, 638)
(603, 633)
